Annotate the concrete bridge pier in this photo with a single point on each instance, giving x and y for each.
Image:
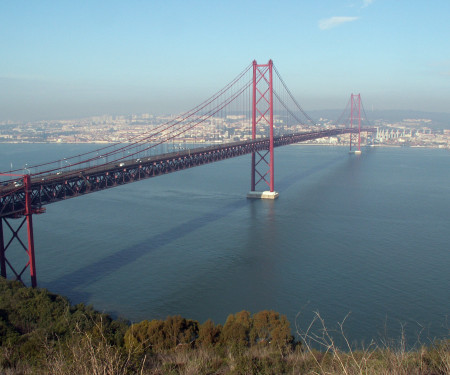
(262, 195)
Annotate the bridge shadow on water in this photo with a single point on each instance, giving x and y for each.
(73, 283)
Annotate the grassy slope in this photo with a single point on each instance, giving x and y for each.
(42, 333)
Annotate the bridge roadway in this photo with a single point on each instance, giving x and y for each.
(49, 188)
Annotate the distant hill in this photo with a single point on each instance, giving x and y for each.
(439, 120)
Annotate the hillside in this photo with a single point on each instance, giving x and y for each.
(439, 120)
(41, 333)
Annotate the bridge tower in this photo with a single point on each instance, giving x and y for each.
(26, 214)
(355, 110)
(262, 167)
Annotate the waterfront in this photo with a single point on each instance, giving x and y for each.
(362, 235)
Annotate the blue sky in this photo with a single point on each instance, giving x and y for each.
(62, 59)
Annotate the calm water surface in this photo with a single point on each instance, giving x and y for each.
(367, 236)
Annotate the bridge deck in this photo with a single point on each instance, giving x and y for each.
(50, 188)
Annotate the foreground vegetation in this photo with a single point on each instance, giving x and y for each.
(41, 333)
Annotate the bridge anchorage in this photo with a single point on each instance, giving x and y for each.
(24, 195)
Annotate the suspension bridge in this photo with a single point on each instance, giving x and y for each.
(258, 97)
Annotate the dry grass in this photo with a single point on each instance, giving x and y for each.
(92, 354)
(88, 357)
(388, 357)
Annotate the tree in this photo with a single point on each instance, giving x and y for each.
(208, 334)
(160, 335)
(236, 330)
(269, 327)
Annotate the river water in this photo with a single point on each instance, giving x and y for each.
(365, 238)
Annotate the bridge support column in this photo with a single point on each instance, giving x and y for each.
(2, 251)
(262, 107)
(27, 217)
(15, 238)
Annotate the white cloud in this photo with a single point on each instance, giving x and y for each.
(329, 23)
(366, 3)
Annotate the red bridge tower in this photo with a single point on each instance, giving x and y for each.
(262, 114)
(355, 108)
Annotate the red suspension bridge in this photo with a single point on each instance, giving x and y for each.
(258, 98)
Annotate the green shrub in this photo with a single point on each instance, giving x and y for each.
(159, 335)
(236, 331)
(32, 321)
(271, 328)
(208, 334)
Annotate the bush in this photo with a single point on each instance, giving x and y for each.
(32, 320)
(236, 331)
(159, 335)
(269, 327)
(208, 334)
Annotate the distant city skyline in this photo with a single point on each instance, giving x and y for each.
(75, 59)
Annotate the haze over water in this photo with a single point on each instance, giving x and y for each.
(364, 235)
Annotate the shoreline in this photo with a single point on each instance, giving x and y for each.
(293, 144)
